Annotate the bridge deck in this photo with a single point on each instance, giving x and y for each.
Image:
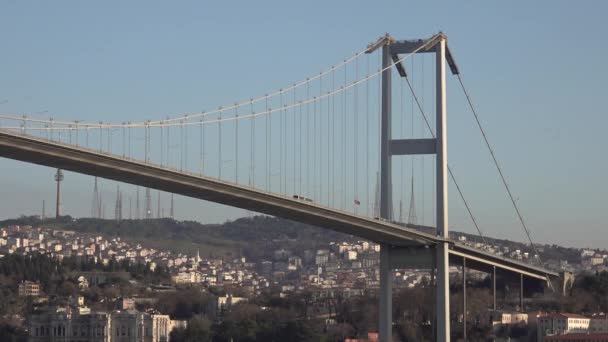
(58, 155)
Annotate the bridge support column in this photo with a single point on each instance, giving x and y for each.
(464, 299)
(433, 285)
(494, 287)
(385, 316)
(443, 275)
(386, 295)
(521, 292)
(443, 294)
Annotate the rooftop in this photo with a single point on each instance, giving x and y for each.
(578, 337)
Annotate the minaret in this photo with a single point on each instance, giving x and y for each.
(171, 210)
(58, 179)
(158, 206)
(118, 205)
(95, 205)
(376, 209)
(412, 219)
(148, 204)
(43, 210)
(137, 211)
(198, 256)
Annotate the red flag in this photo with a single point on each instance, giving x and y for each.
(357, 202)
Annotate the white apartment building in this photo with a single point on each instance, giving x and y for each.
(63, 325)
(599, 323)
(561, 323)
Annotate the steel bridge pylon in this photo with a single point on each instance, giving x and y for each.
(390, 256)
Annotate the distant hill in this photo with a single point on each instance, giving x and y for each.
(253, 237)
(245, 236)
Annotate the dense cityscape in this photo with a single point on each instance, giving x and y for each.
(69, 285)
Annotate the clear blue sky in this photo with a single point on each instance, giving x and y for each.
(536, 71)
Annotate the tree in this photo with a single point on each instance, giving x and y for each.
(198, 330)
(11, 333)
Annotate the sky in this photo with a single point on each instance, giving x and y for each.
(535, 71)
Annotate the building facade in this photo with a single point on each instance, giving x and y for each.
(65, 325)
(599, 323)
(29, 288)
(589, 337)
(560, 324)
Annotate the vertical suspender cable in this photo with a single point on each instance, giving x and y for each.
(236, 146)
(168, 144)
(368, 119)
(333, 139)
(77, 140)
(307, 139)
(109, 140)
(314, 148)
(412, 159)
(200, 147)
(252, 160)
(203, 163)
(328, 115)
(270, 148)
(181, 145)
(293, 136)
(219, 145)
(281, 114)
(422, 133)
(402, 169)
(267, 139)
(186, 127)
(355, 199)
(124, 145)
(343, 142)
(300, 155)
(320, 139)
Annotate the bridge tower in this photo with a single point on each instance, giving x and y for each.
(391, 49)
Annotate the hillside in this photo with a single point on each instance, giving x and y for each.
(252, 237)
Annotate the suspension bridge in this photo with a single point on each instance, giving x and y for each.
(319, 151)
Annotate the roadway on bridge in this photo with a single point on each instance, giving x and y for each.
(81, 160)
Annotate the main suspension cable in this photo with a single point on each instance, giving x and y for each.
(500, 172)
(466, 204)
(171, 122)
